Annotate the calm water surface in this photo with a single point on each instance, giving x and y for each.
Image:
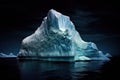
(38, 70)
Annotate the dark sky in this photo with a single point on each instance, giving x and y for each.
(100, 15)
(20, 19)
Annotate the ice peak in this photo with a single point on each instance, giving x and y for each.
(59, 22)
(54, 12)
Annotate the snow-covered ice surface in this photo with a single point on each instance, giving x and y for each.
(11, 55)
(57, 37)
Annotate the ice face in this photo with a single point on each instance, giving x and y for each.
(57, 37)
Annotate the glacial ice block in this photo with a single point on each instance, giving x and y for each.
(57, 37)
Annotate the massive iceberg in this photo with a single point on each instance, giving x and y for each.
(57, 39)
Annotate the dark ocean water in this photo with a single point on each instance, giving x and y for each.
(12, 69)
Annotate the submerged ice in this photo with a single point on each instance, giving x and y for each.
(57, 37)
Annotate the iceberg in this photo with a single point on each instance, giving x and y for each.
(57, 39)
(11, 55)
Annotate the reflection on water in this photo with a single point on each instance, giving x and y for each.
(82, 70)
(88, 66)
(37, 70)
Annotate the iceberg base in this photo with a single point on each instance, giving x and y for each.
(60, 58)
(54, 58)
